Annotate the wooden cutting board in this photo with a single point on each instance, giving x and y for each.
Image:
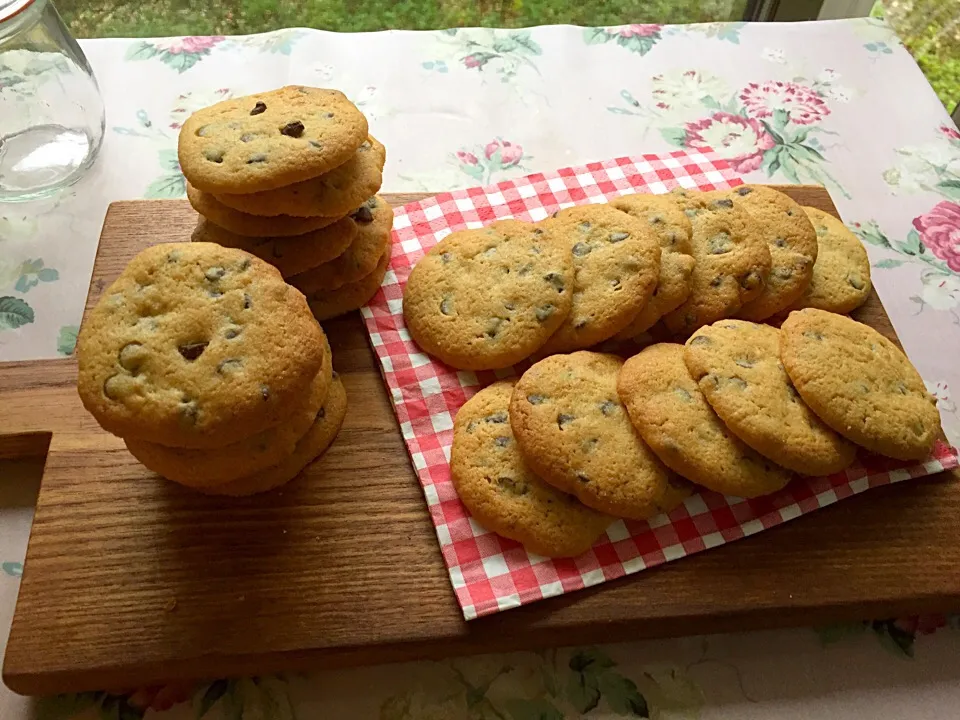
(132, 581)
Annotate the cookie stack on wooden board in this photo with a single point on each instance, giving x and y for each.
(638, 267)
(741, 409)
(211, 368)
(291, 176)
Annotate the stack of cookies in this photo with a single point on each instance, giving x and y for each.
(211, 368)
(740, 409)
(291, 176)
(640, 266)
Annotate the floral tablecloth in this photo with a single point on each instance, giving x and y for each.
(839, 103)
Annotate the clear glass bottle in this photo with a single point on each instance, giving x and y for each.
(51, 112)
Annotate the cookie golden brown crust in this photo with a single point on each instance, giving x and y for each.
(859, 383)
(332, 194)
(289, 255)
(208, 467)
(358, 260)
(791, 240)
(349, 297)
(328, 421)
(674, 419)
(196, 345)
(252, 225)
(575, 434)
(488, 298)
(841, 275)
(732, 261)
(737, 365)
(503, 494)
(269, 140)
(672, 229)
(616, 263)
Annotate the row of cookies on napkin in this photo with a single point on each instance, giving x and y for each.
(667, 264)
(742, 408)
(291, 176)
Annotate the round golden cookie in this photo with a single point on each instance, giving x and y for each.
(616, 263)
(675, 420)
(252, 225)
(332, 194)
(859, 383)
(732, 261)
(792, 243)
(196, 345)
(737, 365)
(841, 275)
(319, 437)
(198, 468)
(289, 255)
(672, 228)
(349, 297)
(358, 260)
(488, 298)
(269, 140)
(574, 433)
(503, 494)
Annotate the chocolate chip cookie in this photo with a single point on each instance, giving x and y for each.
(252, 225)
(198, 468)
(332, 194)
(374, 221)
(503, 494)
(616, 263)
(574, 433)
(269, 140)
(841, 275)
(672, 228)
(327, 304)
(311, 446)
(289, 255)
(196, 345)
(792, 243)
(488, 298)
(673, 417)
(732, 261)
(737, 365)
(859, 383)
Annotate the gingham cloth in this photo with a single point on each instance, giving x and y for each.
(488, 572)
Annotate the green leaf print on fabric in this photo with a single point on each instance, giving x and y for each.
(555, 684)
(635, 38)
(538, 709)
(13, 569)
(67, 339)
(69, 706)
(931, 167)
(768, 126)
(14, 313)
(172, 184)
(505, 52)
(181, 54)
(484, 162)
(32, 273)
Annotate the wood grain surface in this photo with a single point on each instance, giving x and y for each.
(132, 581)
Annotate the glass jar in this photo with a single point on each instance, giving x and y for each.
(51, 112)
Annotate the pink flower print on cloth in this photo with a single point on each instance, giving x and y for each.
(803, 105)
(739, 140)
(940, 231)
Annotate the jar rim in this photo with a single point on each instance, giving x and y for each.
(10, 8)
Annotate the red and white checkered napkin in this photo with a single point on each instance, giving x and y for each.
(488, 572)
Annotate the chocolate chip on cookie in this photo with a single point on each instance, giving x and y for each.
(502, 493)
(859, 383)
(269, 140)
(488, 298)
